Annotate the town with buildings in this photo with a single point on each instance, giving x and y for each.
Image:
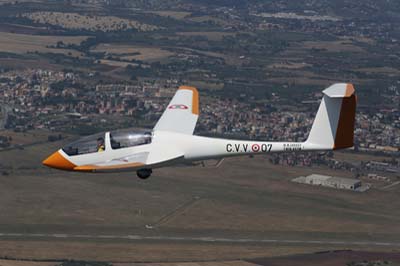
(53, 100)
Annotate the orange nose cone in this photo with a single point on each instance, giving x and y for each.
(56, 160)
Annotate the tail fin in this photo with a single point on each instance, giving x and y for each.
(333, 127)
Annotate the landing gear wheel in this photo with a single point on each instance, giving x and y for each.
(144, 173)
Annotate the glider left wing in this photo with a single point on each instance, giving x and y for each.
(134, 160)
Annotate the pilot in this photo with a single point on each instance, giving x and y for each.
(100, 144)
(147, 138)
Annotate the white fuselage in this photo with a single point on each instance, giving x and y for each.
(169, 148)
(203, 148)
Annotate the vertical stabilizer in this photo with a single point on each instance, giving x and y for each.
(333, 127)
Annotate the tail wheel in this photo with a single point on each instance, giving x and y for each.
(144, 173)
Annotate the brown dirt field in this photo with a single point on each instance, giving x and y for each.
(380, 70)
(357, 157)
(267, 194)
(208, 263)
(20, 64)
(218, 21)
(145, 53)
(330, 258)
(173, 14)
(335, 46)
(243, 198)
(25, 263)
(23, 43)
(149, 55)
(207, 84)
(28, 137)
(302, 81)
(211, 35)
(229, 59)
(363, 40)
(334, 258)
(20, 1)
(115, 63)
(23, 29)
(288, 65)
(142, 252)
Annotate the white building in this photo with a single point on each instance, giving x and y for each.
(329, 181)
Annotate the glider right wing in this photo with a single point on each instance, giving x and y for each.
(182, 112)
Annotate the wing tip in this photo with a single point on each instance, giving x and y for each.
(195, 99)
(340, 90)
(184, 87)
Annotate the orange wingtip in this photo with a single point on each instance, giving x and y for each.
(349, 90)
(184, 87)
(56, 160)
(195, 99)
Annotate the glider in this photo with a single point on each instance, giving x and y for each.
(172, 142)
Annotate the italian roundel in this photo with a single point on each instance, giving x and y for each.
(178, 106)
(255, 147)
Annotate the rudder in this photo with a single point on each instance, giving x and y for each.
(333, 127)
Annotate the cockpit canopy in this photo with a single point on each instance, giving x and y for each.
(113, 140)
(125, 139)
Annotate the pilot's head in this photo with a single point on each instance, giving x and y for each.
(100, 142)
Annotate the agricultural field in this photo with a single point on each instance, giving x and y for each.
(24, 43)
(237, 48)
(212, 35)
(132, 52)
(88, 22)
(280, 258)
(2, 2)
(333, 46)
(27, 138)
(171, 14)
(243, 199)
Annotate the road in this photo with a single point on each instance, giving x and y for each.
(205, 239)
(5, 110)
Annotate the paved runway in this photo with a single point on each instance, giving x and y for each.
(198, 239)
